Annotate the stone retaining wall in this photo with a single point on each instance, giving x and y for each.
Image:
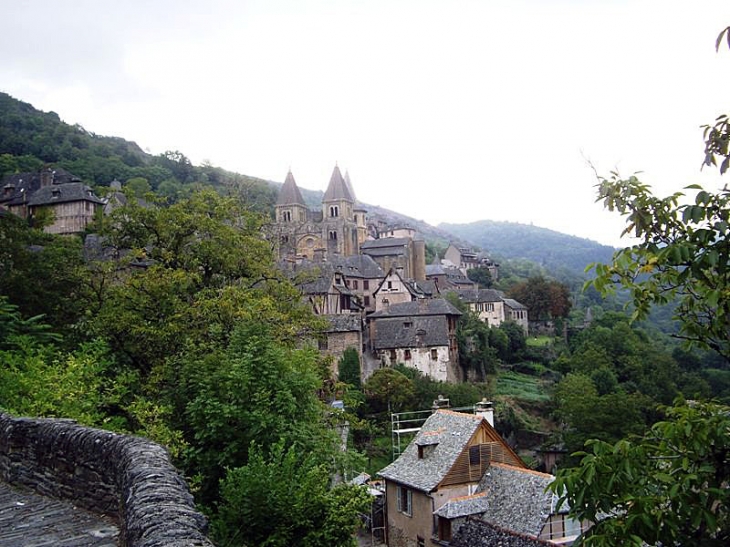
(126, 477)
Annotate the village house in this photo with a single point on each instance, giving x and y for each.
(459, 484)
(343, 332)
(493, 308)
(405, 255)
(447, 277)
(465, 259)
(446, 460)
(420, 334)
(62, 196)
(394, 289)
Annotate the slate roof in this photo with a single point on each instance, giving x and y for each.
(360, 266)
(473, 296)
(421, 307)
(476, 533)
(510, 497)
(350, 322)
(385, 242)
(338, 188)
(517, 498)
(516, 305)
(434, 269)
(24, 185)
(289, 193)
(452, 431)
(463, 506)
(407, 332)
(348, 183)
(63, 193)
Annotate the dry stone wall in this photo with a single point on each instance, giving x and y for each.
(122, 476)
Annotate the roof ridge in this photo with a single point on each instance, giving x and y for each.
(448, 411)
(523, 470)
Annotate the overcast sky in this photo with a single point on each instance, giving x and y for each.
(447, 111)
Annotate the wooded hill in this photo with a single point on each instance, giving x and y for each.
(30, 138)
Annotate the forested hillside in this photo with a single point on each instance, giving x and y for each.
(553, 250)
(30, 138)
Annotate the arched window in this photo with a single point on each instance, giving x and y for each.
(334, 211)
(286, 216)
(333, 235)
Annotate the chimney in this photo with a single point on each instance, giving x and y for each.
(485, 409)
(440, 403)
(47, 176)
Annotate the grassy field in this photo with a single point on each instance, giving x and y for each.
(539, 341)
(521, 386)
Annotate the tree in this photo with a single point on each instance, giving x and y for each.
(284, 499)
(683, 255)
(349, 368)
(481, 276)
(388, 390)
(545, 299)
(666, 487)
(258, 390)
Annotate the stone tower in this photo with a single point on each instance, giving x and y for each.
(338, 211)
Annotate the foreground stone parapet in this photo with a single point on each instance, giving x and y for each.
(128, 478)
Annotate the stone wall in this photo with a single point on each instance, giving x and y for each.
(128, 478)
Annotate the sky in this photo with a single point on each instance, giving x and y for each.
(446, 111)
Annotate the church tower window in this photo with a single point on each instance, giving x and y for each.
(334, 211)
(333, 235)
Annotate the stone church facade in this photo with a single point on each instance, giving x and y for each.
(337, 230)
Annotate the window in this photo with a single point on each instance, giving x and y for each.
(334, 211)
(434, 354)
(367, 300)
(323, 345)
(393, 356)
(474, 456)
(390, 285)
(333, 235)
(444, 529)
(366, 285)
(354, 284)
(287, 216)
(285, 239)
(404, 500)
(407, 355)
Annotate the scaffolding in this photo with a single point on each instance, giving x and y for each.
(404, 425)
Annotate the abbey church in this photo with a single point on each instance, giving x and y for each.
(338, 230)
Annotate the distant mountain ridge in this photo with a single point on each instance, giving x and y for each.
(551, 249)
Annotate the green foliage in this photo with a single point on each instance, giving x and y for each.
(388, 390)
(522, 387)
(256, 391)
(482, 276)
(139, 186)
(588, 414)
(349, 368)
(666, 487)
(41, 274)
(41, 381)
(282, 497)
(14, 329)
(545, 299)
(682, 254)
